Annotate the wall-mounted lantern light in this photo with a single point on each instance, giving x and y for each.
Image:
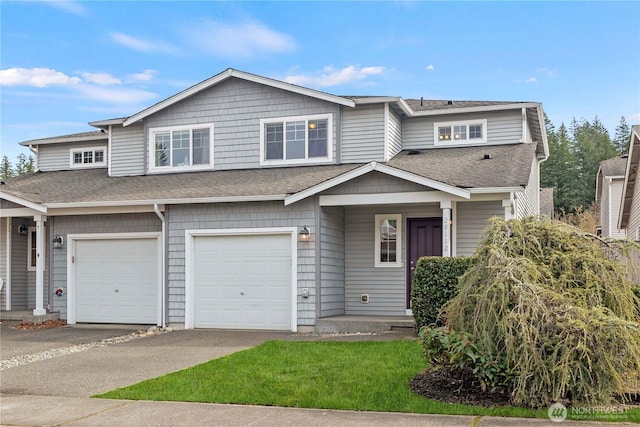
(304, 234)
(57, 241)
(22, 230)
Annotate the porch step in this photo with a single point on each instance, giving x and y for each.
(363, 324)
(27, 316)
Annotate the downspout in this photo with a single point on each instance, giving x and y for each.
(163, 303)
(34, 151)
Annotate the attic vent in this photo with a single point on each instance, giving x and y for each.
(449, 102)
(413, 152)
(487, 157)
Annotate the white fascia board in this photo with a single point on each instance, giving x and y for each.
(543, 130)
(482, 108)
(487, 190)
(329, 183)
(62, 139)
(408, 176)
(23, 202)
(628, 186)
(225, 199)
(387, 198)
(238, 74)
(105, 123)
(17, 212)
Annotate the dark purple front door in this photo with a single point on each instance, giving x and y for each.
(424, 238)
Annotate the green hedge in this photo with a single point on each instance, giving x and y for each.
(435, 282)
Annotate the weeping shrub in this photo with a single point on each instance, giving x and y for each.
(555, 307)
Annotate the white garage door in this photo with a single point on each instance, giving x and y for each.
(116, 280)
(242, 282)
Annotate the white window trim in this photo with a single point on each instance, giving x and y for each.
(398, 261)
(327, 159)
(82, 150)
(164, 169)
(467, 141)
(30, 249)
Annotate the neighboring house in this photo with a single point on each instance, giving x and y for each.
(609, 186)
(547, 207)
(630, 210)
(246, 202)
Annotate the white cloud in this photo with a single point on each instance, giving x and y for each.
(101, 79)
(430, 67)
(531, 80)
(546, 71)
(114, 95)
(142, 45)
(144, 76)
(330, 76)
(37, 77)
(244, 40)
(70, 6)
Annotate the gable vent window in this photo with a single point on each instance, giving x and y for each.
(295, 140)
(460, 133)
(88, 157)
(181, 148)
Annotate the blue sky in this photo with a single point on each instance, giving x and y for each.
(66, 63)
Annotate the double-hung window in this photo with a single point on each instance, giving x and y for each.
(464, 132)
(88, 157)
(291, 140)
(388, 240)
(181, 148)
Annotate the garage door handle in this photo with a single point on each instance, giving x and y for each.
(241, 293)
(116, 290)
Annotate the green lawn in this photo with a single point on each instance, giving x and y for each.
(363, 376)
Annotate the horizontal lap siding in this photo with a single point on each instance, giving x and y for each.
(332, 261)
(529, 199)
(615, 195)
(54, 157)
(633, 228)
(128, 152)
(235, 108)
(471, 220)
(240, 215)
(386, 286)
(394, 134)
(94, 224)
(19, 277)
(3, 261)
(363, 134)
(503, 127)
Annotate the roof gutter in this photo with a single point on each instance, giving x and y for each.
(225, 199)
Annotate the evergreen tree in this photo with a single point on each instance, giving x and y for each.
(6, 168)
(24, 164)
(622, 137)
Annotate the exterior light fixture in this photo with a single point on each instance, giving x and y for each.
(313, 125)
(304, 234)
(57, 241)
(22, 230)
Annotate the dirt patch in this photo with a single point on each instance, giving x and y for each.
(47, 324)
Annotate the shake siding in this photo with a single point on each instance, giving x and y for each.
(235, 108)
(471, 220)
(615, 199)
(529, 199)
(3, 261)
(93, 224)
(363, 134)
(128, 151)
(503, 127)
(240, 215)
(19, 280)
(376, 182)
(332, 262)
(394, 134)
(386, 286)
(54, 157)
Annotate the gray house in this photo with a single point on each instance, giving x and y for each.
(247, 202)
(609, 186)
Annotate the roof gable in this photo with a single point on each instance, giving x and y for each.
(633, 161)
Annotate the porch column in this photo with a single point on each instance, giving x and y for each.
(39, 310)
(446, 228)
(508, 209)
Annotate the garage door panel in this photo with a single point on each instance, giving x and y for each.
(243, 281)
(116, 280)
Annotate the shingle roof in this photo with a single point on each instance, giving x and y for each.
(74, 137)
(444, 104)
(509, 166)
(616, 166)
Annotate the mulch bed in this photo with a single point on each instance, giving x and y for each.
(47, 324)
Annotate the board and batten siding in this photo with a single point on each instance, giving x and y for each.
(529, 198)
(614, 189)
(128, 151)
(394, 134)
(332, 261)
(91, 224)
(503, 127)
(240, 215)
(471, 220)
(55, 157)
(363, 134)
(386, 286)
(235, 107)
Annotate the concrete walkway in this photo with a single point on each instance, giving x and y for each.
(56, 390)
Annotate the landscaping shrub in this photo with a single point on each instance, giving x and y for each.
(435, 282)
(553, 306)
